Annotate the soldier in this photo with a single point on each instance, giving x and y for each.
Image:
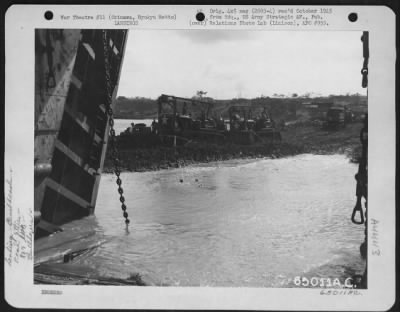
(154, 126)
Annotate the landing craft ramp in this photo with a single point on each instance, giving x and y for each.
(76, 77)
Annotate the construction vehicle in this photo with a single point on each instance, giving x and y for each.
(335, 118)
(245, 129)
(348, 115)
(241, 125)
(181, 120)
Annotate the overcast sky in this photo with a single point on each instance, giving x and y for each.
(229, 64)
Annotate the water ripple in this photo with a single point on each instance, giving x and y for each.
(253, 223)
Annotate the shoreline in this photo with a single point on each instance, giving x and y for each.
(303, 139)
(296, 140)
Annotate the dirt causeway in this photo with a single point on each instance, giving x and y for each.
(296, 139)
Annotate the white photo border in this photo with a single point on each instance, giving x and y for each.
(20, 291)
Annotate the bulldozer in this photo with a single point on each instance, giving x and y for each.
(183, 120)
(245, 129)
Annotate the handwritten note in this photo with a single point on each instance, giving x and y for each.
(375, 237)
(19, 229)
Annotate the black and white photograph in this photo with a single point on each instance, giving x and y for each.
(211, 158)
(200, 157)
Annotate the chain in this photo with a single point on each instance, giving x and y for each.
(112, 141)
(360, 281)
(51, 80)
(362, 175)
(364, 70)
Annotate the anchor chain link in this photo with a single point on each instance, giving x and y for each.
(362, 174)
(51, 79)
(364, 70)
(360, 281)
(112, 141)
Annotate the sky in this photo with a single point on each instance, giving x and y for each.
(232, 63)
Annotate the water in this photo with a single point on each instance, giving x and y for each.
(253, 223)
(120, 125)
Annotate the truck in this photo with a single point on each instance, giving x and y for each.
(335, 118)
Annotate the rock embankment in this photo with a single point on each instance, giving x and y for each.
(297, 139)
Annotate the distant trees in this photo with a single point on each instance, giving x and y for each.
(200, 94)
(141, 107)
(135, 107)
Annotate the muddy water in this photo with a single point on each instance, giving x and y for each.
(253, 223)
